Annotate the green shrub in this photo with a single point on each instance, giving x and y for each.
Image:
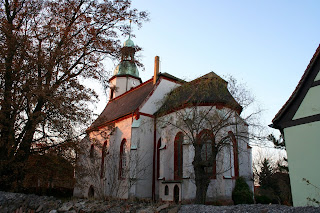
(262, 199)
(241, 193)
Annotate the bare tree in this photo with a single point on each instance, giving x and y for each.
(46, 48)
(99, 167)
(209, 117)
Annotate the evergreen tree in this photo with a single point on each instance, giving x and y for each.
(265, 176)
(279, 143)
(241, 193)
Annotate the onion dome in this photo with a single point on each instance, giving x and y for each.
(127, 68)
(127, 64)
(128, 43)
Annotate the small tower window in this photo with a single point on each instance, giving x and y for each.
(111, 93)
(92, 151)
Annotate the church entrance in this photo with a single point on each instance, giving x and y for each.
(91, 192)
(176, 194)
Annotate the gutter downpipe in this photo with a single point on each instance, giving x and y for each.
(154, 161)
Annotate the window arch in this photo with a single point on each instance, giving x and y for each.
(206, 140)
(158, 157)
(176, 194)
(103, 155)
(178, 156)
(166, 190)
(235, 153)
(123, 159)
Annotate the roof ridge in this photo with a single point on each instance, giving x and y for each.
(168, 75)
(211, 75)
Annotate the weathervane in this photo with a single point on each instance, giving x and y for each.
(130, 20)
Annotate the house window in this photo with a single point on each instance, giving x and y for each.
(235, 154)
(103, 155)
(92, 151)
(206, 141)
(166, 190)
(123, 159)
(158, 158)
(178, 156)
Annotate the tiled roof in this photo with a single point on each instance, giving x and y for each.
(297, 89)
(208, 89)
(123, 105)
(171, 77)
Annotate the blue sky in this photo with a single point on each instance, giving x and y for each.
(265, 44)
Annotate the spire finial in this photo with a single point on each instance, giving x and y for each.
(130, 20)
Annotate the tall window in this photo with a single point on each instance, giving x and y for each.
(206, 140)
(103, 155)
(235, 154)
(158, 158)
(123, 159)
(178, 156)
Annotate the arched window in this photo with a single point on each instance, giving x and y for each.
(92, 151)
(178, 156)
(166, 190)
(206, 141)
(158, 158)
(103, 155)
(123, 159)
(235, 154)
(176, 194)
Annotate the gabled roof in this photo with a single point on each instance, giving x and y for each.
(212, 76)
(209, 89)
(297, 92)
(167, 75)
(123, 105)
(164, 90)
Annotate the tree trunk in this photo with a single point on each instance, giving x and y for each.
(201, 178)
(202, 183)
(7, 114)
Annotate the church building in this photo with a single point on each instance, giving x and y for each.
(139, 146)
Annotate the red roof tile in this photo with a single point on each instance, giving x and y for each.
(123, 105)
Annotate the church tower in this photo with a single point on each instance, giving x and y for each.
(126, 74)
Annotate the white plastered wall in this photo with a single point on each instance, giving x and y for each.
(121, 130)
(153, 103)
(142, 147)
(123, 84)
(219, 188)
